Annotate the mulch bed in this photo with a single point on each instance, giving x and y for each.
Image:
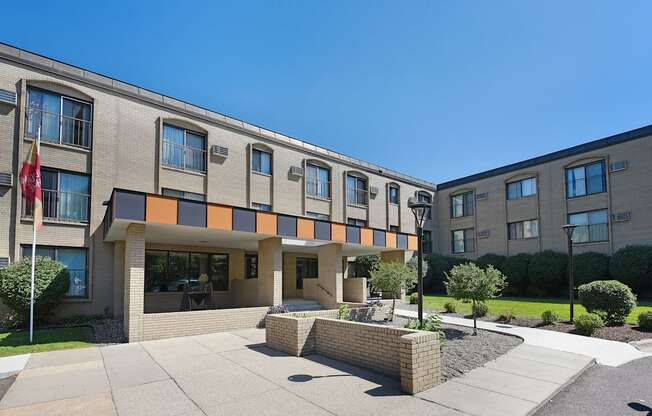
(625, 333)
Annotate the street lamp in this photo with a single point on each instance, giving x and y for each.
(568, 229)
(420, 210)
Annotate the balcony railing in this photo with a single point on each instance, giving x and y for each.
(591, 233)
(358, 196)
(57, 128)
(184, 157)
(61, 206)
(318, 188)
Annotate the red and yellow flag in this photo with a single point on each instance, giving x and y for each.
(30, 184)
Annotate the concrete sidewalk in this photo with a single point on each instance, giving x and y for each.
(12, 365)
(611, 353)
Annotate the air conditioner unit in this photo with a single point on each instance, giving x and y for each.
(6, 179)
(8, 97)
(482, 195)
(220, 151)
(619, 165)
(621, 216)
(373, 190)
(483, 234)
(296, 171)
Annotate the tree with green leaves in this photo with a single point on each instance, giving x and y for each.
(472, 283)
(393, 278)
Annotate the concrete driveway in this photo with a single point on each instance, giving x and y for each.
(216, 374)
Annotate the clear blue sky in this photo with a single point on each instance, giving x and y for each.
(436, 89)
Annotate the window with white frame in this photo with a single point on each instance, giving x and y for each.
(318, 181)
(523, 229)
(592, 226)
(184, 149)
(522, 188)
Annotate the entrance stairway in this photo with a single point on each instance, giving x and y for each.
(301, 305)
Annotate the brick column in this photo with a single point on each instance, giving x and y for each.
(331, 280)
(134, 287)
(270, 271)
(420, 358)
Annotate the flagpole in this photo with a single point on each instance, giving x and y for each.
(31, 295)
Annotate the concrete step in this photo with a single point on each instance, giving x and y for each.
(302, 305)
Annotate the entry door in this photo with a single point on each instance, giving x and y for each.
(301, 273)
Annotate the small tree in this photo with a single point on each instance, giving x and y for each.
(365, 264)
(470, 282)
(50, 285)
(392, 278)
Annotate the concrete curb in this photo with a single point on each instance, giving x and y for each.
(13, 364)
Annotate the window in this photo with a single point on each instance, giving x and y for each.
(169, 271)
(393, 194)
(65, 196)
(395, 228)
(261, 161)
(462, 205)
(318, 216)
(426, 242)
(357, 222)
(523, 229)
(184, 195)
(356, 190)
(586, 180)
(307, 268)
(463, 241)
(592, 226)
(261, 207)
(74, 259)
(318, 181)
(63, 120)
(423, 197)
(184, 149)
(251, 266)
(522, 188)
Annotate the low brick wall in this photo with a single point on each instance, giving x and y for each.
(412, 356)
(179, 324)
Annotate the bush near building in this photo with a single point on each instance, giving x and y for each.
(51, 284)
(547, 273)
(611, 299)
(515, 269)
(491, 259)
(633, 266)
(588, 323)
(590, 266)
(439, 265)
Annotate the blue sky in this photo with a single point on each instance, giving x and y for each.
(436, 89)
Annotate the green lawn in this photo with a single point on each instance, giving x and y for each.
(13, 343)
(525, 307)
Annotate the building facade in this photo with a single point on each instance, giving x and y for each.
(145, 196)
(603, 187)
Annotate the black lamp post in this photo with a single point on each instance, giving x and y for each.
(568, 229)
(420, 210)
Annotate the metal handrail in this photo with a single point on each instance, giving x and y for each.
(313, 187)
(184, 157)
(599, 232)
(61, 206)
(70, 130)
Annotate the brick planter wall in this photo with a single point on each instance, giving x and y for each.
(412, 356)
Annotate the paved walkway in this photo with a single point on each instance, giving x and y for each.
(215, 374)
(12, 365)
(611, 353)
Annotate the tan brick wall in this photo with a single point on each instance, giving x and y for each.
(355, 289)
(180, 324)
(412, 356)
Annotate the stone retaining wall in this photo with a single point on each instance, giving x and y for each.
(412, 356)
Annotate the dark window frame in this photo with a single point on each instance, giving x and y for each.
(465, 239)
(251, 266)
(260, 152)
(585, 166)
(56, 248)
(261, 207)
(519, 183)
(356, 222)
(588, 226)
(520, 235)
(175, 193)
(394, 197)
(353, 194)
(315, 191)
(468, 204)
(52, 200)
(189, 255)
(186, 167)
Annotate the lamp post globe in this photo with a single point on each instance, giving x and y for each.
(420, 211)
(569, 229)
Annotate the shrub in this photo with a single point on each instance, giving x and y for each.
(547, 272)
(276, 309)
(590, 266)
(344, 312)
(480, 309)
(645, 320)
(491, 259)
(450, 306)
(588, 323)
(414, 298)
(632, 265)
(515, 269)
(468, 281)
(610, 298)
(51, 284)
(392, 278)
(506, 316)
(549, 317)
(365, 264)
(431, 323)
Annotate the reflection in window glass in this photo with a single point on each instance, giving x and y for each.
(592, 226)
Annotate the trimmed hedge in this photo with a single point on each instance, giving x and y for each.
(632, 265)
(51, 284)
(609, 298)
(515, 268)
(590, 266)
(491, 259)
(547, 273)
(588, 323)
(645, 320)
(438, 266)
